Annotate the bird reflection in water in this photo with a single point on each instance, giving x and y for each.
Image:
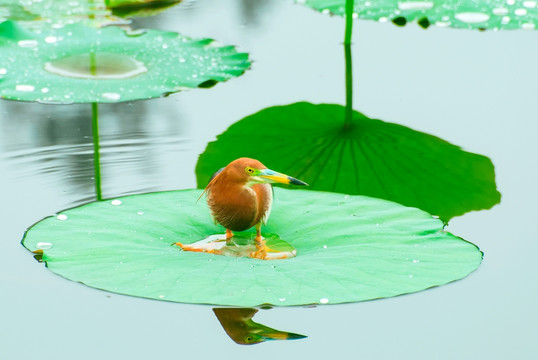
(238, 324)
(240, 197)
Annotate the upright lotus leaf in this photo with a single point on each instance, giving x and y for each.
(130, 8)
(466, 14)
(80, 64)
(368, 157)
(349, 248)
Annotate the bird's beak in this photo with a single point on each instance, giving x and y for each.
(272, 334)
(266, 333)
(271, 176)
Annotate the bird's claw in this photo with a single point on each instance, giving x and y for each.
(218, 245)
(258, 254)
(195, 249)
(266, 253)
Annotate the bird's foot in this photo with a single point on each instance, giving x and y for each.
(241, 246)
(206, 247)
(263, 252)
(191, 248)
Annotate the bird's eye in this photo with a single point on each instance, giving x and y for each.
(249, 170)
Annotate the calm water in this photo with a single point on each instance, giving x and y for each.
(476, 90)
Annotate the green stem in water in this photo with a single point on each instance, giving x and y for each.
(349, 67)
(92, 13)
(96, 147)
(95, 135)
(349, 85)
(349, 21)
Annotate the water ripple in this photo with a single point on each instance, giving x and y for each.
(128, 166)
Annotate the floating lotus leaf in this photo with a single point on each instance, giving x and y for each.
(90, 12)
(369, 157)
(349, 248)
(82, 64)
(71, 8)
(61, 12)
(466, 14)
(129, 8)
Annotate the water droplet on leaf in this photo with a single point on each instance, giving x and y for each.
(500, 11)
(415, 5)
(111, 96)
(51, 39)
(27, 43)
(43, 245)
(24, 87)
(472, 17)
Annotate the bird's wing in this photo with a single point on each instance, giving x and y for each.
(209, 184)
(269, 205)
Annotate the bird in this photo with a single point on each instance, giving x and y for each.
(240, 197)
(238, 324)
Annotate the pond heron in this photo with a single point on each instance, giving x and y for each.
(240, 197)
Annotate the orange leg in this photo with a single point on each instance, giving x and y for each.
(264, 252)
(262, 249)
(190, 248)
(213, 246)
(229, 236)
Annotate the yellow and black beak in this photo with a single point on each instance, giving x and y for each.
(272, 334)
(271, 176)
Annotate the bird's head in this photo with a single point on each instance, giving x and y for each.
(238, 324)
(250, 171)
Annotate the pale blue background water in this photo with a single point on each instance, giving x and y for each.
(474, 89)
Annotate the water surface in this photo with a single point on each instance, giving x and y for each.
(477, 90)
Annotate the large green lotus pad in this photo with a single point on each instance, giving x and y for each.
(349, 248)
(467, 14)
(81, 64)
